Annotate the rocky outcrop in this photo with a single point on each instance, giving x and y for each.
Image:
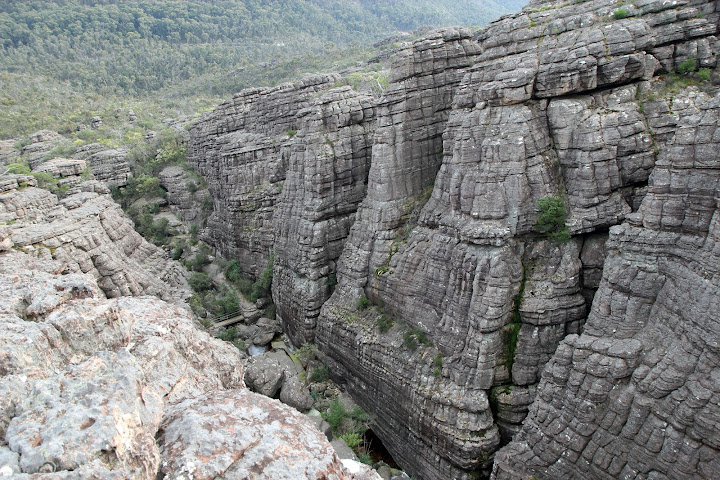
(129, 388)
(38, 146)
(89, 233)
(451, 300)
(325, 182)
(185, 196)
(68, 172)
(8, 152)
(242, 149)
(110, 166)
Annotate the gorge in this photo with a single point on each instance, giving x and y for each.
(505, 248)
(423, 206)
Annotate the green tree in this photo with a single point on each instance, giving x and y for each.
(551, 219)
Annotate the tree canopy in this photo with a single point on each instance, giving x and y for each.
(199, 47)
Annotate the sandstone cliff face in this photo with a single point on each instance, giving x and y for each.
(243, 149)
(468, 301)
(635, 396)
(325, 182)
(556, 104)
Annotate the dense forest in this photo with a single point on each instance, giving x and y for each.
(60, 58)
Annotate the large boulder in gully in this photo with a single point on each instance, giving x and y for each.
(275, 374)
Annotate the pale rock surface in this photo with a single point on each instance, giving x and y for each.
(110, 166)
(38, 146)
(109, 388)
(68, 171)
(91, 234)
(8, 153)
(238, 434)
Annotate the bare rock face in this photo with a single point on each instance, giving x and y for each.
(184, 195)
(325, 182)
(632, 397)
(38, 145)
(110, 166)
(244, 435)
(242, 149)
(89, 233)
(68, 171)
(8, 151)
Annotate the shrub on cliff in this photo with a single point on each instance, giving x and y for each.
(551, 219)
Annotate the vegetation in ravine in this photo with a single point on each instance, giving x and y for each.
(64, 61)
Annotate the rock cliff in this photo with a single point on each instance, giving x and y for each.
(325, 181)
(454, 315)
(242, 149)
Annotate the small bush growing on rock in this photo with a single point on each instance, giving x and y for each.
(335, 414)
(233, 272)
(385, 323)
(413, 337)
(352, 439)
(620, 13)
(228, 335)
(261, 288)
(320, 374)
(18, 169)
(551, 219)
(363, 303)
(703, 74)
(687, 67)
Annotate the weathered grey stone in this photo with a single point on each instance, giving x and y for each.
(325, 182)
(342, 450)
(110, 166)
(97, 388)
(183, 202)
(98, 409)
(91, 234)
(275, 374)
(242, 150)
(639, 381)
(38, 146)
(244, 435)
(8, 153)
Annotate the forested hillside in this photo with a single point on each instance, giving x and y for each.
(61, 58)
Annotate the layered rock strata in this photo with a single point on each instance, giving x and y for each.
(242, 149)
(555, 105)
(185, 194)
(325, 182)
(89, 233)
(450, 301)
(635, 396)
(110, 166)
